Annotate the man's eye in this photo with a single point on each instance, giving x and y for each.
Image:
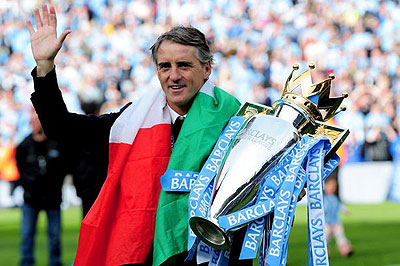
(184, 65)
(163, 66)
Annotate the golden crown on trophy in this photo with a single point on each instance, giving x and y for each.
(315, 98)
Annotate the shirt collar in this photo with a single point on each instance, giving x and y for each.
(174, 115)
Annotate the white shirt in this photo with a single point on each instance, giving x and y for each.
(175, 115)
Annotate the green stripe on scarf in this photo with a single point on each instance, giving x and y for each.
(203, 125)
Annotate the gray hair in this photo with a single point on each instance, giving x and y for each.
(186, 35)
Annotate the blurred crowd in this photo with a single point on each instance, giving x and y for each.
(106, 60)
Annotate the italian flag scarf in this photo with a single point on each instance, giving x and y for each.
(131, 212)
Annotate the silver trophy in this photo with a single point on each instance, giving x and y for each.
(264, 137)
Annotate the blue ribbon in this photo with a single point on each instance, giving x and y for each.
(328, 169)
(270, 184)
(219, 257)
(178, 181)
(278, 192)
(316, 221)
(201, 192)
(283, 199)
(204, 252)
(246, 215)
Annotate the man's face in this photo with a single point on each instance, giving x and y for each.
(180, 73)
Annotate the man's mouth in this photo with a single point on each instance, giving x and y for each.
(176, 87)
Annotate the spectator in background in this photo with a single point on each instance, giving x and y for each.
(378, 135)
(253, 42)
(394, 192)
(333, 224)
(42, 166)
(8, 174)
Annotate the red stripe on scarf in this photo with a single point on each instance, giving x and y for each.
(119, 228)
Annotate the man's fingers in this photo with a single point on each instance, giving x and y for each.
(45, 14)
(30, 28)
(63, 36)
(53, 17)
(39, 22)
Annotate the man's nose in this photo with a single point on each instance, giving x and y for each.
(175, 75)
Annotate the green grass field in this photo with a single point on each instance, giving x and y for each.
(374, 231)
(10, 220)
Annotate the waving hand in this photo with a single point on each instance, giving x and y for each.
(44, 42)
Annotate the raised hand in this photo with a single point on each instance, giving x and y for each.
(44, 42)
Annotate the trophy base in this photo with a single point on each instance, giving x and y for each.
(210, 233)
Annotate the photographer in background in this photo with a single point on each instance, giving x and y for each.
(42, 166)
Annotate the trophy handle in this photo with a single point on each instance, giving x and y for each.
(249, 109)
(335, 134)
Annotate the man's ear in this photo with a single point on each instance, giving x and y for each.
(207, 67)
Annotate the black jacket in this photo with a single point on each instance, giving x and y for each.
(87, 132)
(85, 135)
(42, 167)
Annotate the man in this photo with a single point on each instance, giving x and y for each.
(42, 166)
(132, 218)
